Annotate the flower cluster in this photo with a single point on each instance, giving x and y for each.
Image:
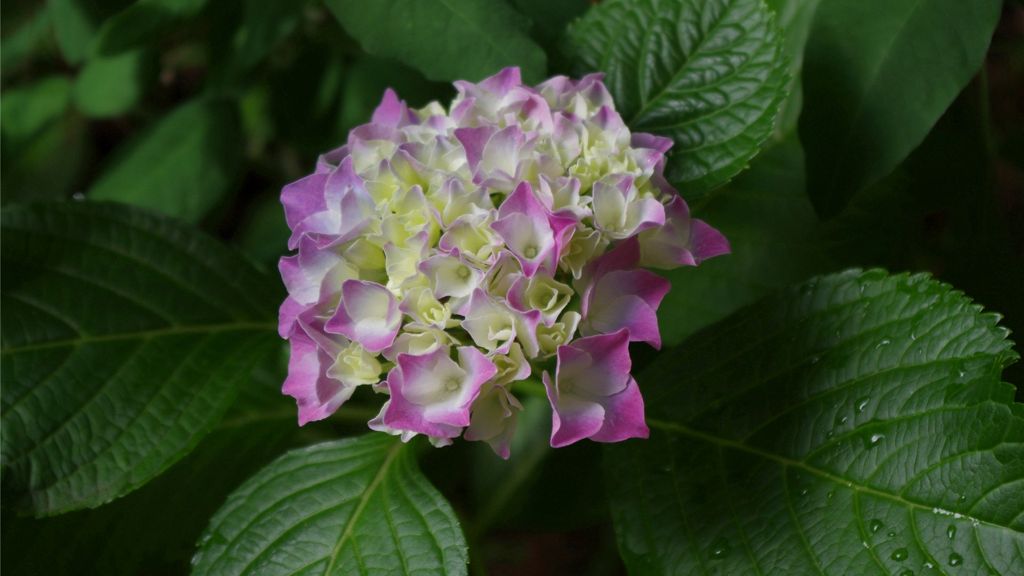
(445, 255)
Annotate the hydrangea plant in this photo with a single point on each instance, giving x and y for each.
(456, 267)
(445, 254)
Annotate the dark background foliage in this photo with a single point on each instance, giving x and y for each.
(203, 110)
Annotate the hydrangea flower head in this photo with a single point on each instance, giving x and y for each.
(444, 256)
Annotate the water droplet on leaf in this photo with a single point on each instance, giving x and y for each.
(899, 554)
(863, 403)
(875, 525)
(955, 559)
(951, 532)
(720, 549)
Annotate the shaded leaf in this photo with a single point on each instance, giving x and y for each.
(853, 425)
(354, 506)
(141, 22)
(877, 77)
(74, 24)
(709, 74)
(124, 339)
(444, 39)
(369, 77)
(794, 18)
(31, 36)
(29, 172)
(776, 241)
(27, 110)
(550, 19)
(183, 166)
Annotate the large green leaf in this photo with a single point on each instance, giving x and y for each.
(444, 39)
(854, 425)
(776, 241)
(124, 339)
(708, 73)
(183, 166)
(354, 506)
(877, 76)
(150, 531)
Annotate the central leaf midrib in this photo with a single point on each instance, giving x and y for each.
(142, 334)
(363, 501)
(786, 461)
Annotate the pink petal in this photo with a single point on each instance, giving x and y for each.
(623, 416)
(368, 313)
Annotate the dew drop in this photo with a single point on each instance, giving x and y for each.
(899, 554)
(875, 525)
(840, 420)
(928, 565)
(951, 532)
(830, 434)
(907, 572)
(78, 196)
(884, 342)
(803, 492)
(955, 559)
(891, 534)
(962, 498)
(863, 403)
(720, 549)
(831, 494)
(873, 440)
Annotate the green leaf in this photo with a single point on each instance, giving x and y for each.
(794, 17)
(354, 506)
(150, 531)
(854, 425)
(776, 241)
(708, 73)
(27, 110)
(30, 37)
(111, 86)
(183, 166)
(142, 22)
(444, 39)
(124, 339)
(550, 19)
(263, 235)
(74, 25)
(29, 172)
(264, 24)
(369, 77)
(877, 77)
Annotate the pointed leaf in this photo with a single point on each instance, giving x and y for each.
(877, 77)
(183, 166)
(854, 425)
(444, 39)
(124, 339)
(354, 506)
(708, 73)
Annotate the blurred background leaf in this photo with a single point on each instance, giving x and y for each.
(183, 166)
(876, 79)
(444, 39)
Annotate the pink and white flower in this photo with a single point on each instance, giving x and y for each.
(459, 249)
